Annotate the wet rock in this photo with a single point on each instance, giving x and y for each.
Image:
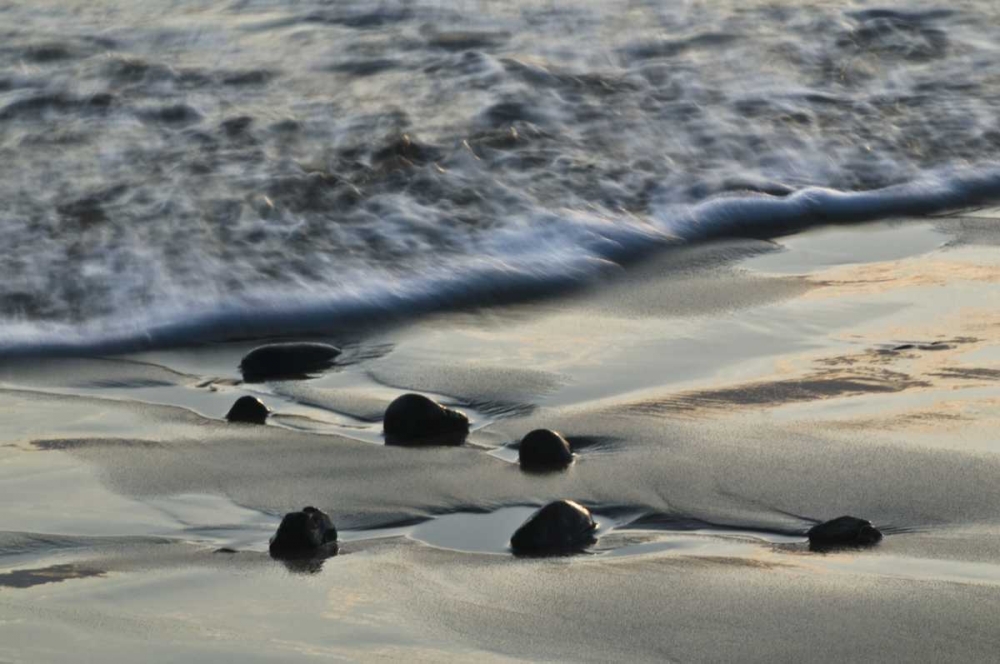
(845, 531)
(544, 450)
(305, 534)
(287, 361)
(413, 419)
(558, 528)
(249, 410)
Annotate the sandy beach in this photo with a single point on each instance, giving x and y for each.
(721, 399)
(741, 255)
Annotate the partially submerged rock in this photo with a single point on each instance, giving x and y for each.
(544, 450)
(844, 531)
(413, 419)
(558, 528)
(287, 361)
(305, 534)
(249, 410)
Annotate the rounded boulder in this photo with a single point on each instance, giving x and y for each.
(544, 450)
(559, 528)
(249, 410)
(413, 419)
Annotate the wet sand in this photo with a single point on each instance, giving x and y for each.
(721, 400)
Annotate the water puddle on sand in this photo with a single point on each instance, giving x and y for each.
(217, 522)
(343, 403)
(28, 578)
(490, 532)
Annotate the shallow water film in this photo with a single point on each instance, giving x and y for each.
(531, 330)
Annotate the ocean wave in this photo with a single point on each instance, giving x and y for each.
(523, 266)
(280, 168)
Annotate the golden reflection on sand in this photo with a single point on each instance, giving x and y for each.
(876, 278)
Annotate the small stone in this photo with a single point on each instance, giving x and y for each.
(413, 419)
(844, 531)
(287, 361)
(249, 410)
(304, 534)
(544, 450)
(558, 528)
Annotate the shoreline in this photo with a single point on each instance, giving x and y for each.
(844, 385)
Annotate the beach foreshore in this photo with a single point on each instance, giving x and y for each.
(721, 399)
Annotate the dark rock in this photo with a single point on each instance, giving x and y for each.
(413, 419)
(845, 531)
(305, 534)
(250, 410)
(225, 549)
(287, 361)
(544, 449)
(558, 528)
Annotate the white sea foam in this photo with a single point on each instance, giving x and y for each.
(282, 167)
